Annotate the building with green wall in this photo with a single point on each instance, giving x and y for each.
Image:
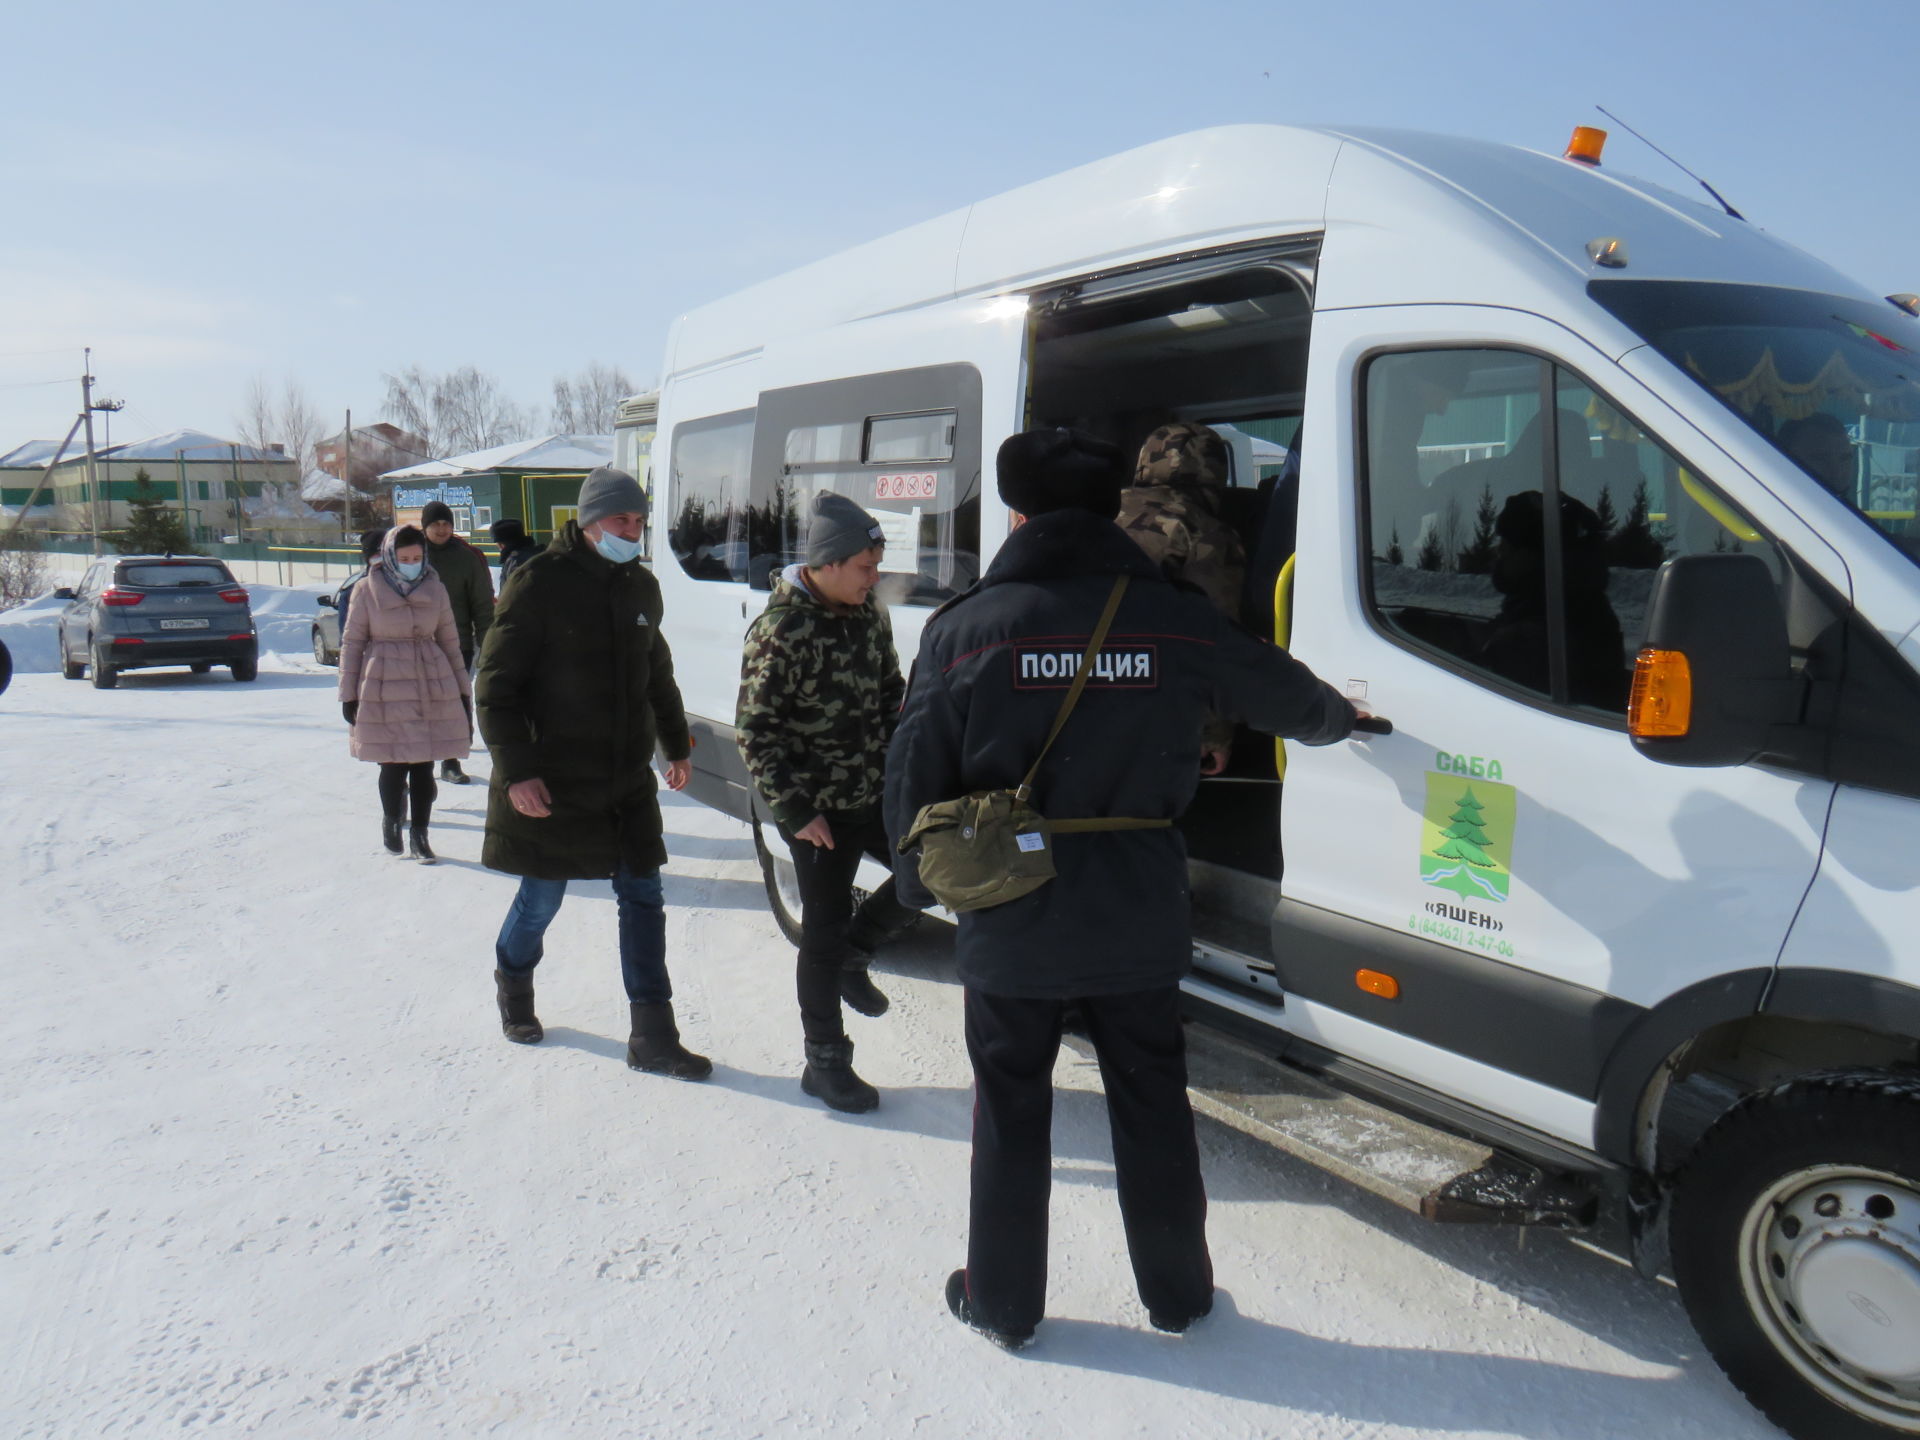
(536, 482)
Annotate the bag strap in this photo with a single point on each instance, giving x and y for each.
(1079, 683)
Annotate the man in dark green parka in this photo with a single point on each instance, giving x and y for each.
(575, 692)
(463, 570)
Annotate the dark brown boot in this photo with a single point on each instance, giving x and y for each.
(517, 1020)
(655, 1045)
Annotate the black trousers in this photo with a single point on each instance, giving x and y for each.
(827, 915)
(1163, 1203)
(398, 783)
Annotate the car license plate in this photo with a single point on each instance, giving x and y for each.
(183, 624)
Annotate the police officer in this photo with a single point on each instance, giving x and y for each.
(1112, 931)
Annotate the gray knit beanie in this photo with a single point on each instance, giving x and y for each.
(609, 492)
(837, 528)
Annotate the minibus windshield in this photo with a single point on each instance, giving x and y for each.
(1832, 383)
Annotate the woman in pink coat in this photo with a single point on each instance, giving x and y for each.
(403, 686)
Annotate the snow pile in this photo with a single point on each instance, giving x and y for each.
(28, 633)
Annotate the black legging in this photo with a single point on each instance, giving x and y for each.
(395, 783)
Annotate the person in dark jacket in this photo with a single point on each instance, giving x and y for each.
(576, 691)
(820, 692)
(516, 547)
(1112, 931)
(463, 570)
(371, 542)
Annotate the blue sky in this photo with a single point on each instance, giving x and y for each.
(209, 192)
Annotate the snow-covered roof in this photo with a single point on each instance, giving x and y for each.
(193, 444)
(548, 452)
(319, 485)
(34, 452)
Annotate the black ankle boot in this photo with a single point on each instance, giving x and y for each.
(829, 1076)
(390, 833)
(962, 1307)
(655, 1047)
(859, 991)
(517, 1020)
(451, 772)
(417, 846)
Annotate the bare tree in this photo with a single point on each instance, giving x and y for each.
(23, 568)
(462, 410)
(588, 403)
(287, 419)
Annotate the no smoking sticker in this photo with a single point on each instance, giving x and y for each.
(906, 487)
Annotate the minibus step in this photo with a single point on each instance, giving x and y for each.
(1432, 1173)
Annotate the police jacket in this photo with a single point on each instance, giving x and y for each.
(992, 670)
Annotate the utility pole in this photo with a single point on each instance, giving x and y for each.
(346, 478)
(86, 414)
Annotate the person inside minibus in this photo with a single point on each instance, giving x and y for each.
(1819, 444)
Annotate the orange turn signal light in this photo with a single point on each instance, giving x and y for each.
(1586, 145)
(1375, 983)
(1662, 705)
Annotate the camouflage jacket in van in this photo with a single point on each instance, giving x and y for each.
(820, 692)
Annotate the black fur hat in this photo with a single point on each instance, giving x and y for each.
(1060, 469)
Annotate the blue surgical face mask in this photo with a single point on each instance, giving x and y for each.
(617, 550)
(413, 570)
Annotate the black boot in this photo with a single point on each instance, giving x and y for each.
(451, 772)
(390, 833)
(418, 848)
(517, 1020)
(655, 1045)
(866, 935)
(829, 1076)
(962, 1309)
(859, 991)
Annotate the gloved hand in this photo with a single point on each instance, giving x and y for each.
(349, 708)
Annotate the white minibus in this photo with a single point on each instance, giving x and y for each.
(1605, 498)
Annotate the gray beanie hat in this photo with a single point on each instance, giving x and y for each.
(837, 528)
(609, 492)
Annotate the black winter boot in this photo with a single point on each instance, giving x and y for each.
(655, 1045)
(451, 772)
(390, 834)
(962, 1309)
(867, 936)
(859, 991)
(517, 1020)
(418, 848)
(829, 1076)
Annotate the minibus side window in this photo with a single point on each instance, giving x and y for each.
(904, 445)
(710, 515)
(1469, 454)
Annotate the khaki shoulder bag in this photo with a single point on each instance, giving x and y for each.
(993, 846)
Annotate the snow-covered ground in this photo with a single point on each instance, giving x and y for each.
(270, 1168)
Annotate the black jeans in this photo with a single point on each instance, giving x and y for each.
(1163, 1203)
(398, 783)
(827, 915)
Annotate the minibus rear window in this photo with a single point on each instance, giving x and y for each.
(1832, 383)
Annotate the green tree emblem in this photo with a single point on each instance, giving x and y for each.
(1465, 835)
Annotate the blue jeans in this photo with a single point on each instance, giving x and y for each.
(643, 931)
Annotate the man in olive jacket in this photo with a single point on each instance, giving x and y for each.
(575, 692)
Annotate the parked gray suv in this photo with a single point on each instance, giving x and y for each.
(133, 612)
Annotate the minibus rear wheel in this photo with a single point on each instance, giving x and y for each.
(776, 870)
(1796, 1245)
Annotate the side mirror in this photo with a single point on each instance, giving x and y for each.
(1715, 677)
(65, 592)
(324, 600)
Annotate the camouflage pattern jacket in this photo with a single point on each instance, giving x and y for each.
(1187, 540)
(820, 692)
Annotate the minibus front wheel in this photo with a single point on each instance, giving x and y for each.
(1796, 1245)
(776, 870)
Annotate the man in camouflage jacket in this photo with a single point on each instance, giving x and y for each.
(1173, 512)
(820, 693)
